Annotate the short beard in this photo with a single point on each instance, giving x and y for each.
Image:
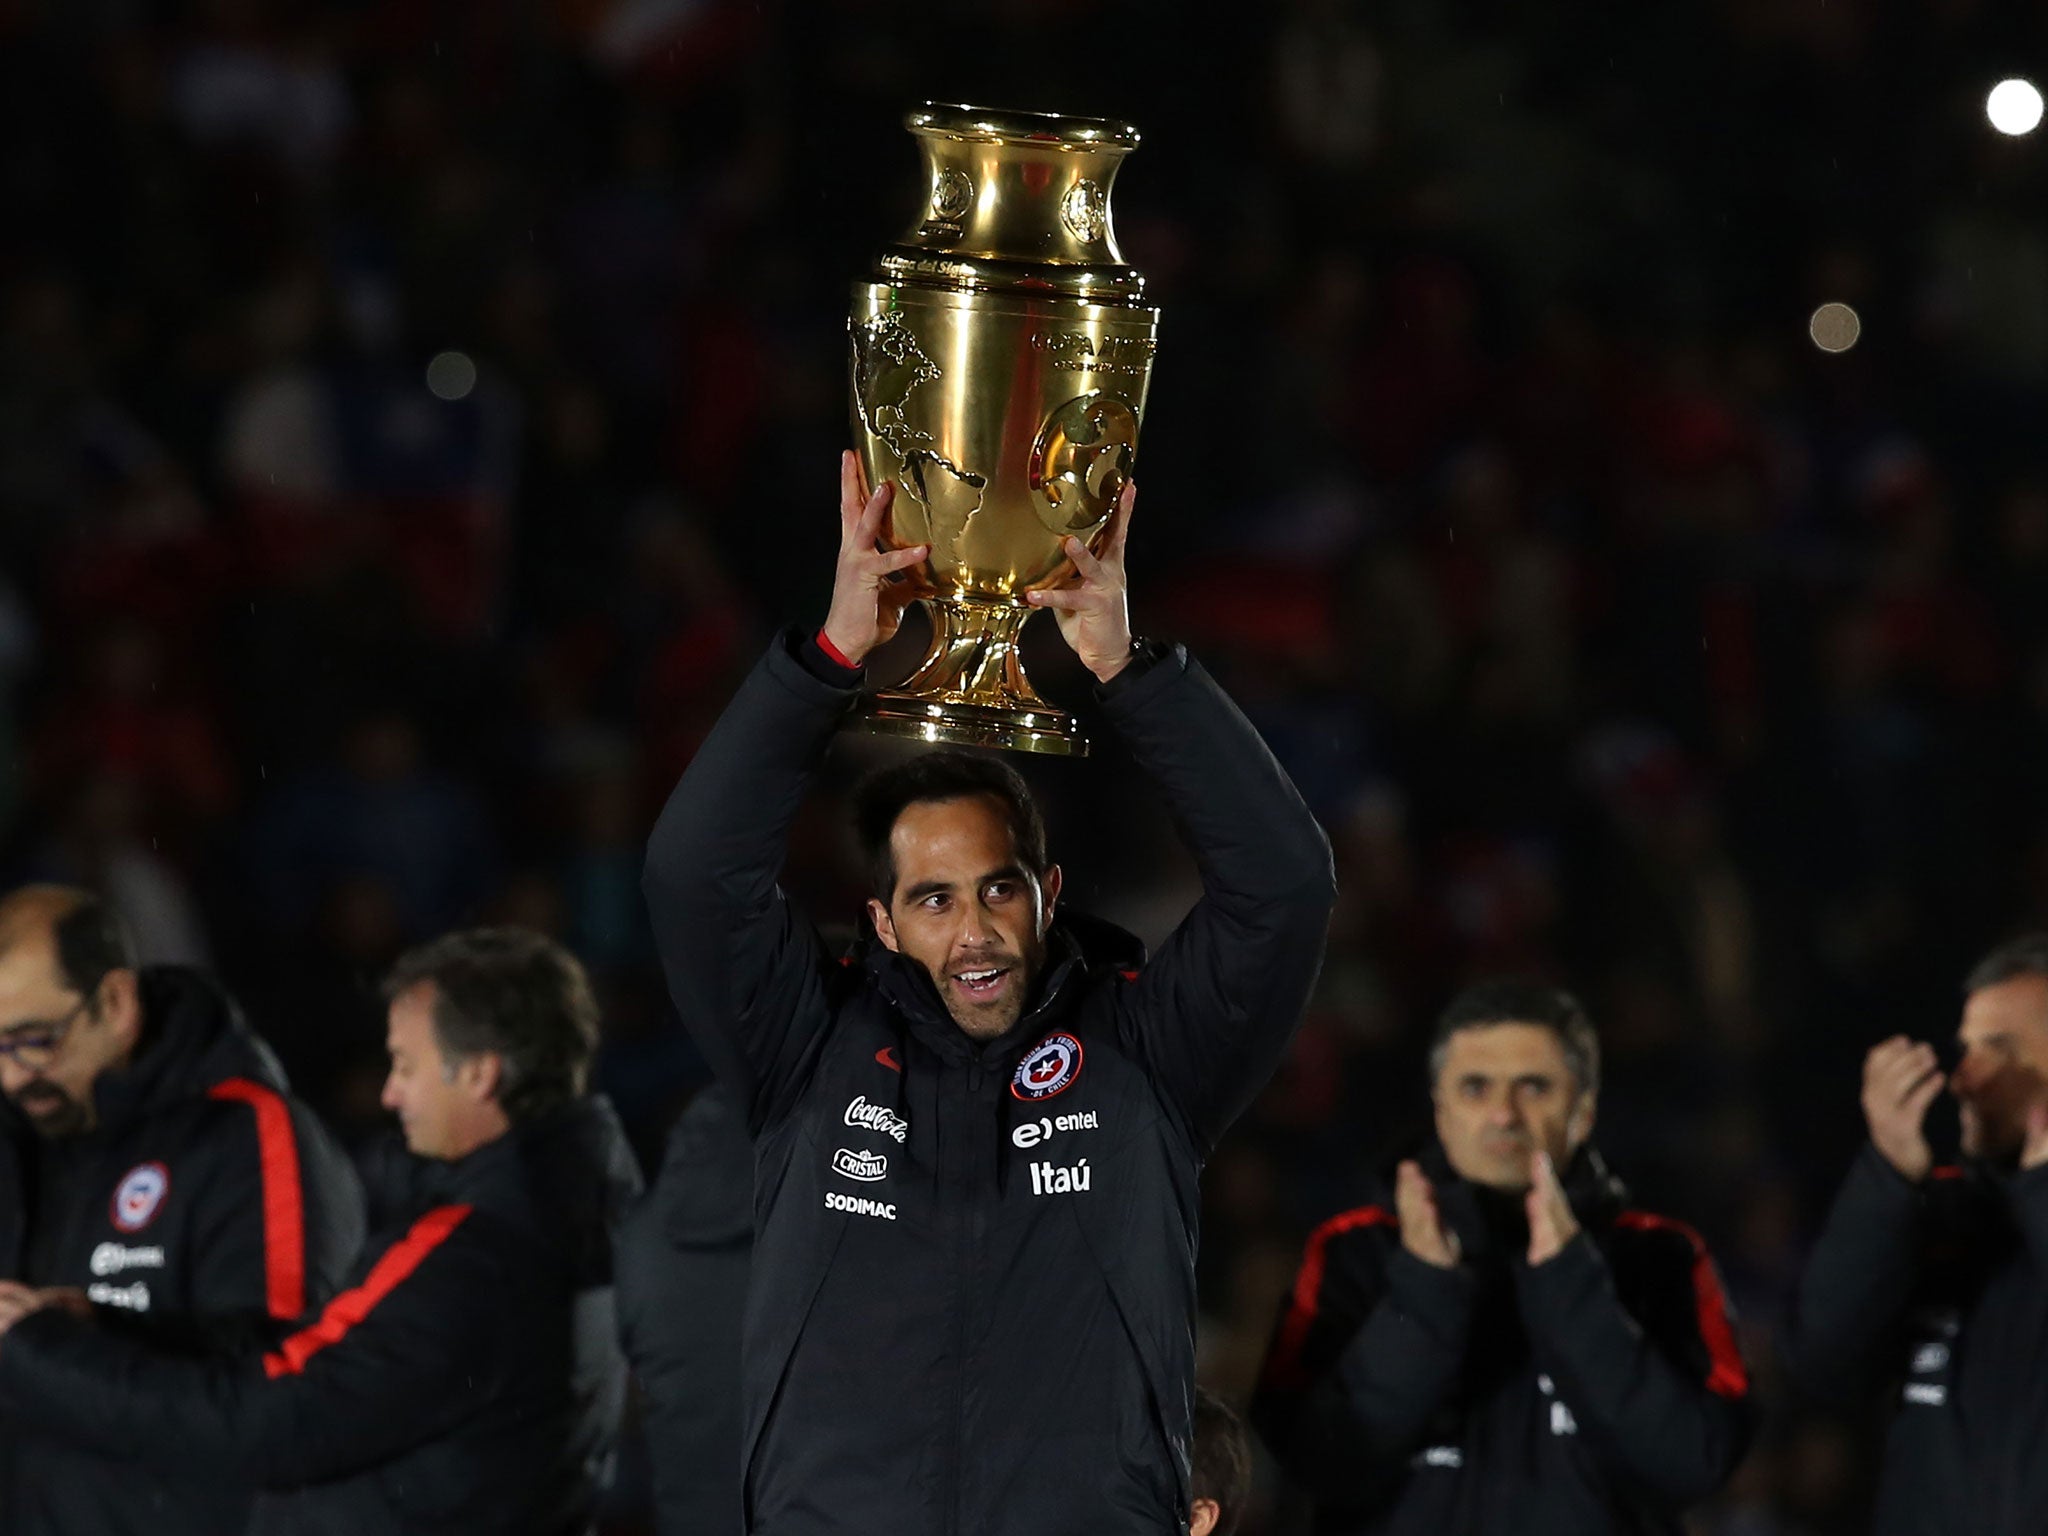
(66, 1117)
(985, 1024)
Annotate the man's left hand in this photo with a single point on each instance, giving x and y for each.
(18, 1301)
(2034, 1150)
(1551, 1222)
(1095, 617)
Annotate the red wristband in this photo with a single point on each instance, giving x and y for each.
(838, 656)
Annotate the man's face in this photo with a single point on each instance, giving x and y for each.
(2004, 1069)
(967, 910)
(435, 1097)
(58, 1043)
(1506, 1092)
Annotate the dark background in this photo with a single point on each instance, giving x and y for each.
(1615, 632)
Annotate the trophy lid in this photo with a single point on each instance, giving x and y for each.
(1017, 202)
(987, 126)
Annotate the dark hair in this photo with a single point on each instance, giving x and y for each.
(887, 793)
(510, 991)
(2026, 955)
(1223, 1459)
(91, 940)
(1514, 1001)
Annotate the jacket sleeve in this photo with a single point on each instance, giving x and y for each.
(281, 1219)
(1661, 1389)
(1213, 1012)
(394, 1360)
(2028, 1197)
(1846, 1327)
(1369, 1348)
(744, 968)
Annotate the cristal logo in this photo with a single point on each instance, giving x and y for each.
(863, 1165)
(130, 1298)
(1047, 1179)
(876, 1117)
(1032, 1132)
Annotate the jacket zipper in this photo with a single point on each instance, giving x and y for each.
(973, 1224)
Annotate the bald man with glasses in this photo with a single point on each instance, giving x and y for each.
(156, 1172)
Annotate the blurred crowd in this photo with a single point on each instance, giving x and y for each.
(415, 417)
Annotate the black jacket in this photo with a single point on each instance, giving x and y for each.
(467, 1380)
(1601, 1391)
(682, 1294)
(972, 1303)
(208, 1205)
(1936, 1296)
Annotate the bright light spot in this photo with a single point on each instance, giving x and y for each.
(451, 375)
(1834, 327)
(2014, 107)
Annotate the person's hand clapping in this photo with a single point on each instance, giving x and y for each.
(1423, 1232)
(869, 592)
(1901, 1080)
(1095, 617)
(1551, 1222)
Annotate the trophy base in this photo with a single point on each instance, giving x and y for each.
(957, 723)
(970, 690)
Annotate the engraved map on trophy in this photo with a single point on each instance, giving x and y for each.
(888, 368)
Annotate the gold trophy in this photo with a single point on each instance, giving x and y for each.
(1000, 355)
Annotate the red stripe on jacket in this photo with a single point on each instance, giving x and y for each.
(1728, 1377)
(356, 1303)
(284, 1207)
(1308, 1288)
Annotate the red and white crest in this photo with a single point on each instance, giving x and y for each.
(1047, 1068)
(137, 1196)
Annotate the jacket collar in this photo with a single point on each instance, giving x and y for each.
(1076, 947)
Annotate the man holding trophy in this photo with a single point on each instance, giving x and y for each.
(978, 1139)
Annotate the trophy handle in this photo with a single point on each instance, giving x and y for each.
(970, 688)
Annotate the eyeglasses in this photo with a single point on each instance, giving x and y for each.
(33, 1045)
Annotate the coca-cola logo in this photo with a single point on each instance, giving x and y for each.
(876, 1117)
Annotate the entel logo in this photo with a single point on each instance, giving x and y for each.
(1032, 1132)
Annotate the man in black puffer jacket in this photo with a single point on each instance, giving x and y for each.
(1928, 1287)
(977, 1144)
(468, 1378)
(1497, 1345)
(154, 1165)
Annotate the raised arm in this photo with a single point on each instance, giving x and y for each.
(1214, 1011)
(1850, 1309)
(744, 969)
(1656, 1384)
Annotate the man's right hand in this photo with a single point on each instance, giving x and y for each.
(1423, 1232)
(867, 602)
(1901, 1079)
